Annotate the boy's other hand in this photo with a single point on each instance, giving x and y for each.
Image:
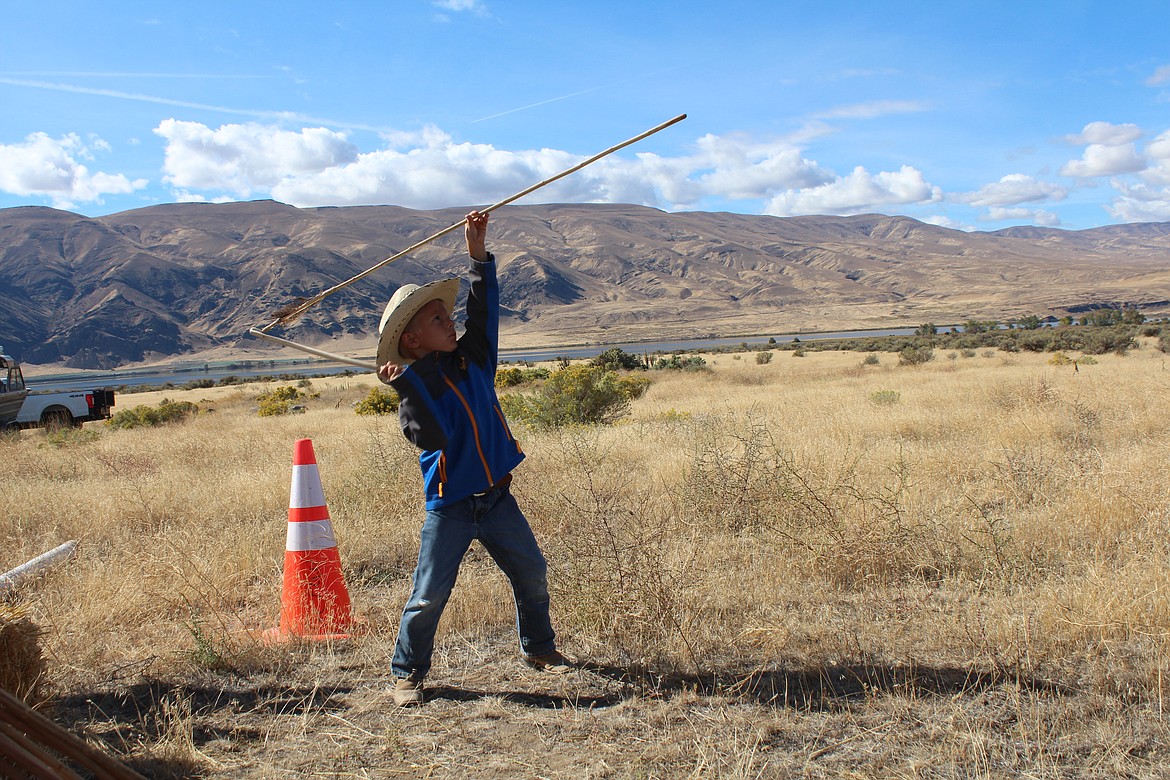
(390, 371)
(476, 234)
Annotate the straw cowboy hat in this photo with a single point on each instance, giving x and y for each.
(404, 304)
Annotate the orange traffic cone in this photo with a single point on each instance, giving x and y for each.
(314, 602)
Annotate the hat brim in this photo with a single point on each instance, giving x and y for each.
(398, 314)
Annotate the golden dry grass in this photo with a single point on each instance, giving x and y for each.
(811, 567)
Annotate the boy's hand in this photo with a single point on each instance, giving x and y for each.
(476, 234)
(390, 372)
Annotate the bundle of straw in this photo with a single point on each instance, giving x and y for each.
(22, 666)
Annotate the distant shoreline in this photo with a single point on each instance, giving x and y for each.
(51, 372)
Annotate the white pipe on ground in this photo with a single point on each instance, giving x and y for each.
(9, 579)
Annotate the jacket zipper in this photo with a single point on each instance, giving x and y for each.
(474, 429)
(507, 430)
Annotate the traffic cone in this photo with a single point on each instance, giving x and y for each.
(314, 603)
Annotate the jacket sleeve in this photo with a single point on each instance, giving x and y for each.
(482, 329)
(420, 425)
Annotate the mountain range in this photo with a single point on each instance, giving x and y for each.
(187, 281)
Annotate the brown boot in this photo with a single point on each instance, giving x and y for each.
(550, 663)
(407, 692)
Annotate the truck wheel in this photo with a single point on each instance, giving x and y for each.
(56, 419)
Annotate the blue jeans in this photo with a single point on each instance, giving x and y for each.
(497, 522)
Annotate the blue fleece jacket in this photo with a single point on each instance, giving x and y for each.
(448, 405)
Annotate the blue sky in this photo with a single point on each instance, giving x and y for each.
(973, 115)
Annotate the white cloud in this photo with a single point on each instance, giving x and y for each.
(1158, 154)
(1105, 160)
(242, 159)
(1106, 133)
(856, 193)
(48, 167)
(873, 109)
(947, 222)
(1149, 199)
(459, 6)
(428, 169)
(1110, 151)
(1032, 216)
(428, 177)
(1159, 77)
(1159, 148)
(1140, 203)
(1013, 189)
(742, 169)
(444, 174)
(650, 180)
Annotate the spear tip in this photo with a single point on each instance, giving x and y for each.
(289, 311)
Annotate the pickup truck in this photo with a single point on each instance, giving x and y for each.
(21, 407)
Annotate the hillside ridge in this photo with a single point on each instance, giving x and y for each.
(186, 279)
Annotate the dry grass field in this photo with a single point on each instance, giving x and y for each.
(813, 567)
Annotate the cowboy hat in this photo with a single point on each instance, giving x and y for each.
(403, 305)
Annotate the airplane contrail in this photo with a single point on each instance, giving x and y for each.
(534, 105)
(290, 116)
(118, 75)
(575, 94)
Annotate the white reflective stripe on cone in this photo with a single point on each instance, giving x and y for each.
(306, 487)
(310, 535)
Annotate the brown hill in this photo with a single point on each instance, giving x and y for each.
(183, 279)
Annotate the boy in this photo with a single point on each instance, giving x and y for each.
(448, 408)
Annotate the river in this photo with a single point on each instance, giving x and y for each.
(181, 373)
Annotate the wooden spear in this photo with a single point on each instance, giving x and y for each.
(288, 313)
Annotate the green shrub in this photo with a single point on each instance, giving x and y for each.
(1105, 340)
(763, 358)
(681, 363)
(915, 356)
(280, 401)
(885, 397)
(633, 386)
(513, 377)
(871, 360)
(147, 417)
(508, 377)
(1035, 341)
(614, 359)
(378, 401)
(576, 395)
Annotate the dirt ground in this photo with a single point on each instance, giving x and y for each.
(487, 715)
